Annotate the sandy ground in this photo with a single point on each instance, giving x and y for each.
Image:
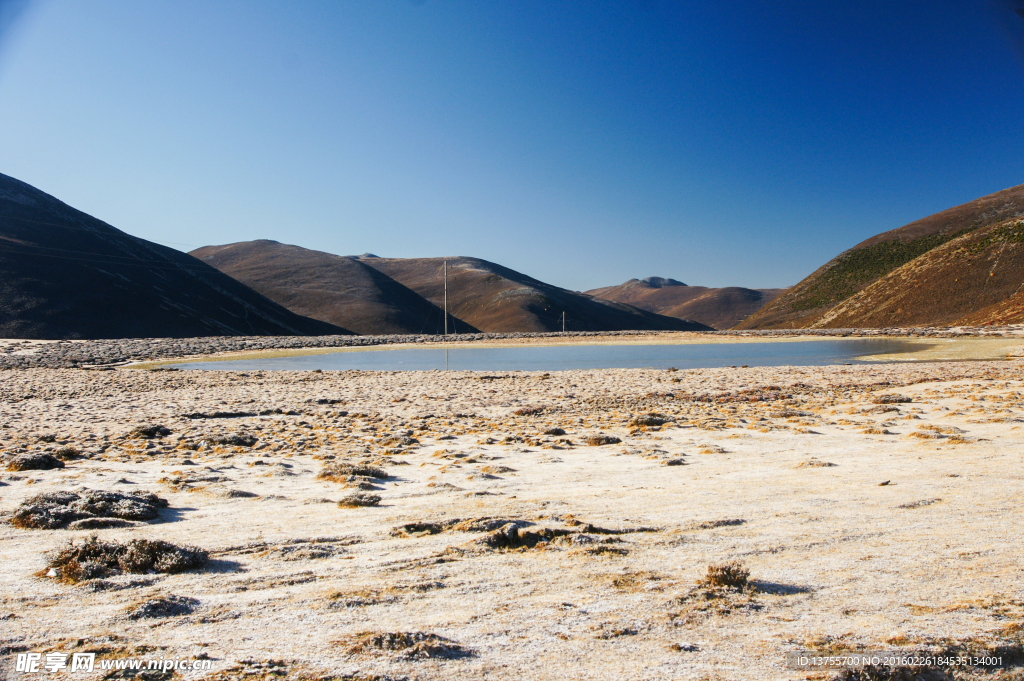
(780, 469)
(946, 349)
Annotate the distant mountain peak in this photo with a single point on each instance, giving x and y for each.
(367, 255)
(661, 282)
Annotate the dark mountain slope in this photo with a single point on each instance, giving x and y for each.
(65, 274)
(336, 289)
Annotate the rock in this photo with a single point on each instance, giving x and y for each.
(600, 440)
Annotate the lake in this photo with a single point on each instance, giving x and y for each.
(566, 357)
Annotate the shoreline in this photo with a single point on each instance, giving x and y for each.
(681, 338)
(921, 350)
(155, 352)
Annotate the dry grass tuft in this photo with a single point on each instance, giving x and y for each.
(67, 453)
(816, 463)
(409, 645)
(359, 500)
(641, 580)
(344, 472)
(497, 470)
(919, 504)
(715, 524)
(233, 440)
(649, 420)
(605, 550)
(512, 537)
(34, 461)
(58, 509)
(731, 575)
(418, 529)
(359, 598)
(163, 606)
(93, 558)
(486, 524)
(601, 440)
(149, 432)
(892, 399)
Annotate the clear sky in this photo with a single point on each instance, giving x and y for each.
(584, 143)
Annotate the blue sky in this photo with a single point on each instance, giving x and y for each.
(740, 143)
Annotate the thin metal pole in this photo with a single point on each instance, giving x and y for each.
(446, 298)
(563, 321)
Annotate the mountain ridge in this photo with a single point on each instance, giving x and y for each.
(65, 275)
(930, 266)
(337, 289)
(720, 308)
(493, 297)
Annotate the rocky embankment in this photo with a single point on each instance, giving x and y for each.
(25, 354)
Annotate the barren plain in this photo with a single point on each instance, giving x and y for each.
(523, 525)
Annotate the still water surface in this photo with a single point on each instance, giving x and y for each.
(564, 357)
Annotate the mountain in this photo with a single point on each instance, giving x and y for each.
(964, 265)
(65, 274)
(335, 289)
(495, 298)
(721, 308)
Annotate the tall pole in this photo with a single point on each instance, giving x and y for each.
(446, 298)
(563, 321)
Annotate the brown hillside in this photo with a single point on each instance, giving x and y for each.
(720, 308)
(65, 274)
(495, 298)
(335, 289)
(1009, 311)
(946, 286)
(808, 303)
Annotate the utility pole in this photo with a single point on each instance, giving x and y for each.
(446, 299)
(563, 321)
